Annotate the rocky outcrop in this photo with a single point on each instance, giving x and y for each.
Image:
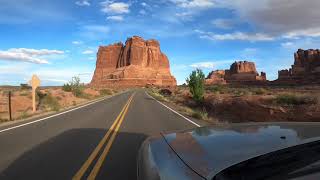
(305, 70)
(216, 77)
(241, 72)
(137, 63)
(244, 71)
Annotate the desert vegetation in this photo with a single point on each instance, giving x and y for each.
(245, 103)
(48, 99)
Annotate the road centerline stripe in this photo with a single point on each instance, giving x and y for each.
(106, 150)
(94, 154)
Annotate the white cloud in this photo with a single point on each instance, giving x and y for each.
(89, 51)
(209, 64)
(111, 7)
(77, 42)
(279, 17)
(28, 55)
(223, 23)
(235, 36)
(115, 18)
(194, 3)
(287, 44)
(83, 3)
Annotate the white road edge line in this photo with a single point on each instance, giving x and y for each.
(42, 119)
(174, 111)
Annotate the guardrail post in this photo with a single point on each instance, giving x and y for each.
(10, 113)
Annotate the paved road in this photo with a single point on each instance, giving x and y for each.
(99, 141)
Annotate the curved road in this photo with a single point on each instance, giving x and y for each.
(98, 141)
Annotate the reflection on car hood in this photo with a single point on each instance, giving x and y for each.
(209, 150)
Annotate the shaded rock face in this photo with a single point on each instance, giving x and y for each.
(239, 72)
(305, 70)
(137, 63)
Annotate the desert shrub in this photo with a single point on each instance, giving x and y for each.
(24, 93)
(40, 95)
(24, 115)
(217, 88)
(157, 96)
(241, 92)
(203, 115)
(292, 99)
(104, 92)
(74, 86)
(165, 92)
(67, 87)
(260, 91)
(25, 87)
(51, 102)
(196, 85)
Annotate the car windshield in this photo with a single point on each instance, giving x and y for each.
(298, 162)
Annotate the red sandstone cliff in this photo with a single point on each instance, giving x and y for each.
(137, 63)
(239, 72)
(305, 70)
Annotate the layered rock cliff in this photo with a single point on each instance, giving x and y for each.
(239, 72)
(137, 63)
(305, 70)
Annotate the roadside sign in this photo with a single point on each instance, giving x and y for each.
(34, 82)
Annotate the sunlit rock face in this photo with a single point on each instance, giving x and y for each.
(138, 63)
(305, 70)
(240, 72)
(216, 77)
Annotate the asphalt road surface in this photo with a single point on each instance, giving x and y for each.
(98, 141)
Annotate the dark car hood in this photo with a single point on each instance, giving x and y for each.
(209, 150)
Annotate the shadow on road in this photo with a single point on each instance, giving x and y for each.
(61, 156)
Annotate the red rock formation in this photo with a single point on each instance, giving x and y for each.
(239, 72)
(216, 77)
(243, 71)
(305, 70)
(138, 63)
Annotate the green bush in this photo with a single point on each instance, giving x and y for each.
(196, 85)
(104, 92)
(67, 87)
(74, 86)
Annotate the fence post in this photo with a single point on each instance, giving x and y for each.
(10, 113)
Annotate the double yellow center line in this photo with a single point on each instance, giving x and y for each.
(113, 132)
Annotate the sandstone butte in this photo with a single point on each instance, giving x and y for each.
(305, 70)
(241, 72)
(138, 63)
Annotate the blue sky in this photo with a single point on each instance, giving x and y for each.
(58, 39)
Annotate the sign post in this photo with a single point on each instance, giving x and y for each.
(10, 113)
(34, 82)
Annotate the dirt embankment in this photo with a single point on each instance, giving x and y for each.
(252, 104)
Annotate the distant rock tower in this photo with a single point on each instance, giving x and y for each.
(241, 72)
(305, 70)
